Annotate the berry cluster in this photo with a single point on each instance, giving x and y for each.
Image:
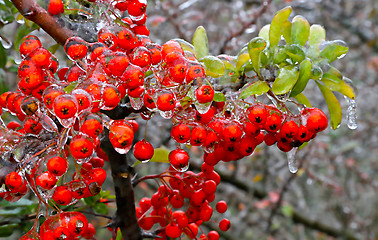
(62, 115)
(183, 190)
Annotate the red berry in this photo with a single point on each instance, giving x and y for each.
(143, 150)
(221, 206)
(57, 165)
(204, 94)
(224, 224)
(14, 181)
(179, 158)
(62, 195)
(181, 133)
(55, 7)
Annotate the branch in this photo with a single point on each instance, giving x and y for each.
(125, 217)
(245, 25)
(32, 11)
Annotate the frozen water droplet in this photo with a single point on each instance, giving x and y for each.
(6, 44)
(145, 161)
(136, 103)
(351, 113)
(293, 168)
(67, 122)
(21, 20)
(123, 150)
(47, 123)
(203, 107)
(166, 114)
(183, 169)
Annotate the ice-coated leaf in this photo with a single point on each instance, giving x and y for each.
(257, 88)
(304, 75)
(200, 42)
(219, 97)
(300, 30)
(341, 87)
(302, 99)
(241, 60)
(264, 32)
(286, 31)
(119, 234)
(53, 48)
(3, 56)
(186, 46)
(275, 30)
(70, 87)
(255, 47)
(295, 53)
(316, 37)
(333, 104)
(287, 77)
(160, 155)
(334, 50)
(214, 66)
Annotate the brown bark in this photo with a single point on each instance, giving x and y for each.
(31, 10)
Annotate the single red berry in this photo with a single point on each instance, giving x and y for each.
(179, 158)
(316, 119)
(257, 114)
(204, 94)
(221, 206)
(46, 180)
(213, 235)
(62, 195)
(181, 133)
(55, 7)
(81, 147)
(65, 106)
(224, 224)
(75, 47)
(198, 137)
(143, 150)
(14, 181)
(166, 101)
(172, 230)
(57, 165)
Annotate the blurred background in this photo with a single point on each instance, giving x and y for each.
(334, 195)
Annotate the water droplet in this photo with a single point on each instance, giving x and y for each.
(351, 113)
(291, 161)
(47, 123)
(166, 114)
(6, 44)
(21, 20)
(181, 169)
(123, 150)
(136, 103)
(202, 108)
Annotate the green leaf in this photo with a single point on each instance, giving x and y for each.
(160, 155)
(229, 62)
(287, 77)
(302, 99)
(304, 76)
(264, 32)
(54, 48)
(333, 104)
(200, 42)
(287, 210)
(255, 47)
(70, 87)
(286, 31)
(214, 66)
(295, 53)
(316, 72)
(3, 56)
(119, 234)
(316, 37)
(7, 230)
(341, 87)
(275, 30)
(186, 46)
(100, 208)
(241, 61)
(334, 50)
(300, 30)
(219, 97)
(257, 88)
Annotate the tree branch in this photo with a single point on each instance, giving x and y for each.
(31, 10)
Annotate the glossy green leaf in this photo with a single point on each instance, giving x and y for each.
(302, 99)
(71, 87)
(287, 77)
(214, 66)
(119, 234)
(200, 42)
(304, 76)
(333, 104)
(295, 53)
(160, 155)
(255, 47)
(275, 30)
(300, 30)
(186, 46)
(100, 208)
(316, 72)
(229, 62)
(219, 97)
(241, 61)
(264, 32)
(341, 87)
(257, 88)
(316, 37)
(334, 50)
(286, 31)
(3, 56)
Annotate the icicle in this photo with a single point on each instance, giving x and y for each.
(293, 168)
(351, 113)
